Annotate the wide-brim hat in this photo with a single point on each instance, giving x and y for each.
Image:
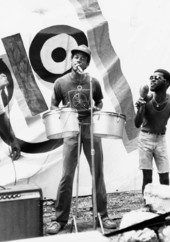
(82, 48)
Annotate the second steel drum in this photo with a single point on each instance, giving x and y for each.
(108, 124)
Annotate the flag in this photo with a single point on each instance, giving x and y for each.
(108, 63)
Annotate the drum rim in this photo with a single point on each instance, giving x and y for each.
(49, 112)
(57, 110)
(111, 113)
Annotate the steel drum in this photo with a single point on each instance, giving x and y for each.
(108, 124)
(61, 123)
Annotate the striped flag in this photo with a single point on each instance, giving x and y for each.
(108, 63)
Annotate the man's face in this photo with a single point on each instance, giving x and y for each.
(79, 59)
(157, 82)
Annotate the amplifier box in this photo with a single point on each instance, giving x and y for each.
(21, 212)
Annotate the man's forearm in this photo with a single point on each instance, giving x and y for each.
(6, 129)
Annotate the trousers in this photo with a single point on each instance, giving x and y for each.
(70, 159)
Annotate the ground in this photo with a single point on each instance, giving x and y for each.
(118, 204)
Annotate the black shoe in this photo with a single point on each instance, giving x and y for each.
(108, 223)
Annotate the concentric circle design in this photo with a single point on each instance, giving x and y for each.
(50, 55)
(50, 49)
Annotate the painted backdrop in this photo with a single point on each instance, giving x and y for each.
(128, 40)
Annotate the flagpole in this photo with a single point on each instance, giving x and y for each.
(92, 160)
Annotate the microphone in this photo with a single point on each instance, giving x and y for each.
(80, 69)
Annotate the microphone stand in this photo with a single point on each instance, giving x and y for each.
(95, 218)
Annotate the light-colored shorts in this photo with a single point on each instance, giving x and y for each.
(152, 146)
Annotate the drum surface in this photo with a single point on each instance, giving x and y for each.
(61, 123)
(108, 124)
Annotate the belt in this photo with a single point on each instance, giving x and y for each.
(148, 132)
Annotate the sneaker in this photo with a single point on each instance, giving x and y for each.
(108, 223)
(53, 227)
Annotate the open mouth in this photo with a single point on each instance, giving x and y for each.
(152, 85)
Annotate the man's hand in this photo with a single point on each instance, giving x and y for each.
(16, 151)
(141, 102)
(3, 81)
(96, 109)
(67, 105)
